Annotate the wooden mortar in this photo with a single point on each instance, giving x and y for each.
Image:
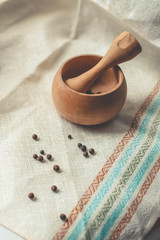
(82, 108)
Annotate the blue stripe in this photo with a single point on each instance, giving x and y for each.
(116, 171)
(130, 190)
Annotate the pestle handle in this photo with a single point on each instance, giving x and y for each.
(123, 48)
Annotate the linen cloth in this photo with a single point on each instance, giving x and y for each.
(36, 38)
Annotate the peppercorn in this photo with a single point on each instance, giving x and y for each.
(56, 168)
(85, 154)
(42, 152)
(49, 156)
(54, 188)
(35, 156)
(34, 136)
(62, 216)
(79, 145)
(31, 195)
(91, 150)
(40, 158)
(89, 91)
(83, 148)
(69, 136)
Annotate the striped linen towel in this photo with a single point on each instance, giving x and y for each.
(112, 200)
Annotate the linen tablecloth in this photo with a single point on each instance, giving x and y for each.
(113, 194)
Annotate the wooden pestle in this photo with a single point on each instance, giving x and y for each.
(124, 48)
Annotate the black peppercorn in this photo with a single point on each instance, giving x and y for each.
(42, 152)
(49, 156)
(85, 154)
(79, 145)
(83, 148)
(89, 91)
(56, 168)
(34, 136)
(31, 195)
(40, 158)
(69, 136)
(91, 150)
(63, 217)
(54, 188)
(35, 156)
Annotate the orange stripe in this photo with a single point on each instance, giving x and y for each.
(132, 209)
(95, 184)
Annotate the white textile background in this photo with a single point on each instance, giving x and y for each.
(36, 38)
